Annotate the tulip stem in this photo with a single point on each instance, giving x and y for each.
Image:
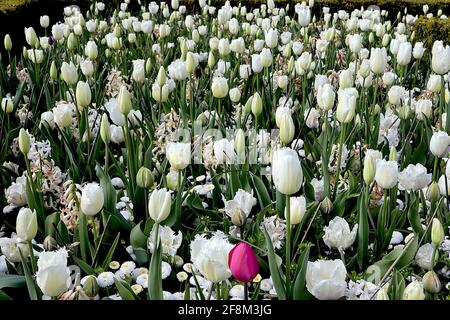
(288, 242)
(338, 167)
(245, 291)
(106, 157)
(32, 257)
(218, 291)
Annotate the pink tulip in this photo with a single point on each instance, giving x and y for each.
(243, 262)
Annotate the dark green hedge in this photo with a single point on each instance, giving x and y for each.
(429, 30)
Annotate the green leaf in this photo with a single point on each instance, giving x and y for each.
(83, 265)
(300, 280)
(12, 281)
(363, 231)
(155, 291)
(261, 192)
(111, 252)
(125, 290)
(83, 237)
(31, 285)
(50, 222)
(278, 282)
(4, 296)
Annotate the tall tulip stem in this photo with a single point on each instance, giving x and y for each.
(32, 258)
(288, 241)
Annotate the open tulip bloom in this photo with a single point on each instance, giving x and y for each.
(272, 151)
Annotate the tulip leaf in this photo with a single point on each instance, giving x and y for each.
(414, 217)
(4, 296)
(155, 291)
(278, 282)
(83, 237)
(125, 291)
(108, 190)
(83, 265)
(111, 252)
(12, 281)
(363, 231)
(33, 291)
(300, 280)
(50, 222)
(261, 192)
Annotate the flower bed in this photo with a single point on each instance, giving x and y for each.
(199, 152)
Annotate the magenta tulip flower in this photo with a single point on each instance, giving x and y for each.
(243, 262)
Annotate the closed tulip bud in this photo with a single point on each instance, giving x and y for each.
(149, 66)
(369, 169)
(414, 291)
(44, 21)
(71, 42)
(53, 71)
(31, 37)
(49, 243)
(138, 74)
(69, 73)
(191, 62)
(83, 94)
(219, 87)
(24, 141)
(256, 104)
(378, 60)
(392, 154)
(386, 174)
(346, 107)
(440, 62)
(90, 286)
(211, 60)
(26, 224)
(287, 128)
(161, 78)
(433, 192)
(248, 105)
(7, 105)
(92, 199)
(287, 173)
(439, 143)
(297, 209)
(431, 282)
(326, 205)
(371, 38)
(437, 232)
(239, 145)
(105, 131)
(7, 42)
(243, 262)
(144, 178)
(159, 205)
(91, 50)
(178, 154)
(124, 101)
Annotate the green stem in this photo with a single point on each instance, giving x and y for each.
(288, 242)
(32, 257)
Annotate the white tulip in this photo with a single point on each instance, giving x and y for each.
(92, 199)
(386, 174)
(404, 53)
(159, 205)
(178, 154)
(53, 276)
(26, 224)
(378, 60)
(219, 87)
(287, 173)
(346, 106)
(138, 74)
(325, 279)
(439, 143)
(297, 209)
(338, 234)
(83, 94)
(414, 291)
(62, 115)
(210, 256)
(440, 61)
(69, 73)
